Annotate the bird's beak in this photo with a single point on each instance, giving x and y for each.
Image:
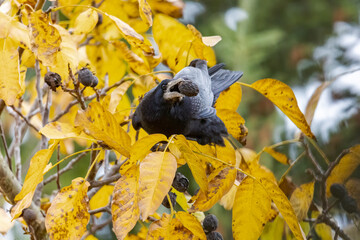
(172, 92)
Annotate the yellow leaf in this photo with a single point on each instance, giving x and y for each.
(136, 63)
(218, 186)
(45, 38)
(284, 206)
(68, 215)
(33, 177)
(321, 229)
(157, 172)
(191, 223)
(124, 206)
(10, 28)
(91, 237)
(312, 104)
(249, 158)
(141, 147)
(181, 199)
(345, 168)
(145, 12)
(280, 157)
(101, 198)
(234, 123)
(301, 200)
(227, 201)
(141, 235)
(194, 162)
(107, 60)
(160, 229)
(283, 97)
(71, 12)
(86, 22)
(352, 186)
(211, 40)
(230, 98)
(133, 38)
(59, 130)
(173, 8)
(12, 83)
(117, 95)
(103, 126)
(25, 202)
(182, 46)
(273, 230)
(250, 210)
(68, 54)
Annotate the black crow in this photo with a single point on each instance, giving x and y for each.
(185, 104)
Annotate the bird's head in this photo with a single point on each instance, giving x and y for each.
(176, 90)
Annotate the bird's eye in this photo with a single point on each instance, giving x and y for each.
(163, 87)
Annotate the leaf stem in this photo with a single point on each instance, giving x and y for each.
(321, 152)
(290, 167)
(85, 150)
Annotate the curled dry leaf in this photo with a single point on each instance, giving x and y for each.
(145, 12)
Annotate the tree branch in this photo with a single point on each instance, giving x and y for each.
(11, 187)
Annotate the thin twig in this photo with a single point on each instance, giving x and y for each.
(66, 168)
(102, 209)
(105, 181)
(25, 119)
(106, 161)
(336, 162)
(317, 169)
(335, 227)
(5, 145)
(17, 155)
(58, 169)
(95, 228)
(45, 117)
(38, 88)
(102, 93)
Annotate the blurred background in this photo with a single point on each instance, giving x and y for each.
(301, 43)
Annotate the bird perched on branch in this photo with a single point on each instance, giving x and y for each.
(185, 104)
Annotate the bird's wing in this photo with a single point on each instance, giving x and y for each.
(206, 113)
(222, 79)
(215, 68)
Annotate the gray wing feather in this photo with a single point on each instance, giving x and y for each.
(222, 79)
